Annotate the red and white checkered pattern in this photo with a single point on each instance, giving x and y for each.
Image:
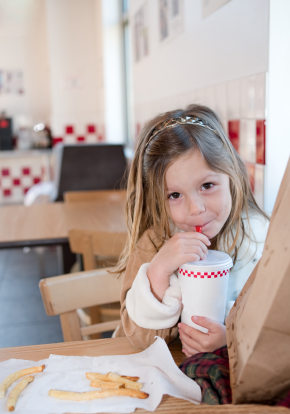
(15, 181)
(92, 134)
(253, 137)
(203, 275)
(249, 140)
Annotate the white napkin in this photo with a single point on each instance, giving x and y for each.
(155, 366)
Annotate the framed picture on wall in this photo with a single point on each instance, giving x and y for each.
(163, 19)
(170, 18)
(141, 42)
(11, 82)
(18, 82)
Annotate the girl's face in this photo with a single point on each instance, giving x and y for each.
(197, 195)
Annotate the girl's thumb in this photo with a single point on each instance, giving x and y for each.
(204, 322)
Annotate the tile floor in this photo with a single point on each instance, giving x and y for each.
(23, 320)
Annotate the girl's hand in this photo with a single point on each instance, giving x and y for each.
(181, 248)
(195, 341)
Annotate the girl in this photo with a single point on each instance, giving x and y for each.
(185, 174)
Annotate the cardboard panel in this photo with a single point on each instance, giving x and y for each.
(258, 327)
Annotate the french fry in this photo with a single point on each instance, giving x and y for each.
(16, 375)
(105, 385)
(135, 379)
(104, 377)
(97, 376)
(128, 384)
(13, 397)
(92, 395)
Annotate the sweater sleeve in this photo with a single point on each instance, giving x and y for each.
(141, 329)
(143, 307)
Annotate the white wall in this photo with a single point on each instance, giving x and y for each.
(278, 102)
(227, 61)
(23, 46)
(75, 54)
(230, 43)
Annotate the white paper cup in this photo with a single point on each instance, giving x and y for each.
(204, 286)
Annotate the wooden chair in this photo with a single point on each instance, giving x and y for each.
(81, 247)
(110, 244)
(98, 250)
(63, 295)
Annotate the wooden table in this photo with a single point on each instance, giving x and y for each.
(121, 346)
(48, 224)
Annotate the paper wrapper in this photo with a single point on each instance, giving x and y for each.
(155, 366)
(258, 326)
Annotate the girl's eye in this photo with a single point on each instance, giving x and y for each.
(174, 196)
(207, 186)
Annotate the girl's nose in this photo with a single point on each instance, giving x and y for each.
(196, 206)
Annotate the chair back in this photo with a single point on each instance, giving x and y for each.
(63, 295)
(93, 245)
(89, 167)
(98, 249)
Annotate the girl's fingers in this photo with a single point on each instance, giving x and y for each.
(196, 236)
(208, 323)
(200, 338)
(189, 351)
(178, 250)
(191, 257)
(189, 342)
(186, 353)
(196, 250)
(192, 243)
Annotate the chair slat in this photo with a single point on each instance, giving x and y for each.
(100, 327)
(70, 326)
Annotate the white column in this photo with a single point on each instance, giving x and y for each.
(114, 87)
(278, 101)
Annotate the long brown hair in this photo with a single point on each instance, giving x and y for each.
(146, 201)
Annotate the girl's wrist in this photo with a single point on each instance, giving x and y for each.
(159, 282)
(157, 275)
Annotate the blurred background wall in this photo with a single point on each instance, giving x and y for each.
(75, 54)
(197, 53)
(24, 53)
(97, 70)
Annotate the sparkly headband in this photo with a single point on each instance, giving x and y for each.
(188, 120)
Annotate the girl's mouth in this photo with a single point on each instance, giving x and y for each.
(200, 227)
